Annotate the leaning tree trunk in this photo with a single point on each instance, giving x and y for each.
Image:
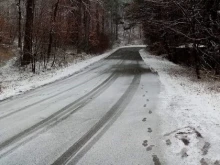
(28, 37)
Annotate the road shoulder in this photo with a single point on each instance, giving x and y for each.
(190, 116)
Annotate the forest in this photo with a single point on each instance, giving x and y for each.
(187, 31)
(109, 82)
(44, 30)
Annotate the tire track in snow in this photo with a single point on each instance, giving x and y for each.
(52, 84)
(51, 97)
(59, 115)
(48, 98)
(109, 118)
(75, 75)
(25, 136)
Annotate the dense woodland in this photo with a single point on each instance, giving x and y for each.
(187, 30)
(44, 28)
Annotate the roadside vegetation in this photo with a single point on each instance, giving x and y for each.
(5, 54)
(43, 41)
(187, 31)
(45, 31)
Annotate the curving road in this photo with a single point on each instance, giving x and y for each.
(100, 116)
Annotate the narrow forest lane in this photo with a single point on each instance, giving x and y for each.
(102, 115)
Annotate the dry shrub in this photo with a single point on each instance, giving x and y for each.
(157, 48)
(5, 54)
(98, 44)
(7, 31)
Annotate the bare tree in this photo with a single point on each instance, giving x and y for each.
(28, 38)
(19, 25)
(53, 21)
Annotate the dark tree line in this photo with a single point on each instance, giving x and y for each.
(171, 24)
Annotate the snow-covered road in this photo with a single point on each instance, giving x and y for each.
(103, 115)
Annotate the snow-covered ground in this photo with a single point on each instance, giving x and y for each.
(181, 126)
(189, 114)
(103, 109)
(13, 81)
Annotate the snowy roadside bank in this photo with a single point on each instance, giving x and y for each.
(190, 115)
(14, 82)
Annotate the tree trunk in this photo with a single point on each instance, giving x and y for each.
(52, 29)
(97, 21)
(19, 25)
(79, 28)
(197, 61)
(116, 31)
(27, 54)
(167, 48)
(87, 36)
(103, 22)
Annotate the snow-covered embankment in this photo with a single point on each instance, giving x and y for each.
(189, 112)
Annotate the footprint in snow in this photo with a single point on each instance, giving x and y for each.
(156, 160)
(150, 130)
(203, 162)
(145, 143)
(168, 142)
(150, 148)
